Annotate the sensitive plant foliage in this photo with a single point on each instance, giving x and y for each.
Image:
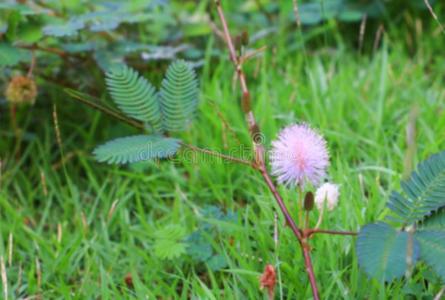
(424, 192)
(386, 251)
(134, 95)
(136, 148)
(171, 109)
(299, 156)
(171, 241)
(75, 29)
(178, 96)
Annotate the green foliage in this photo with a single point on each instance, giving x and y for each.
(217, 262)
(70, 28)
(383, 251)
(315, 11)
(432, 249)
(434, 222)
(169, 242)
(11, 56)
(95, 22)
(200, 249)
(424, 190)
(135, 96)
(172, 242)
(179, 96)
(75, 30)
(212, 223)
(136, 148)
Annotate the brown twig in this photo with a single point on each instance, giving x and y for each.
(55, 51)
(219, 155)
(259, 149)
(311, 232)
(310, 270)
(289, 220)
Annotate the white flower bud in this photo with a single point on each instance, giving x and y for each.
(328, 193)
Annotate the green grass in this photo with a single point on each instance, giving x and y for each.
(67, 245)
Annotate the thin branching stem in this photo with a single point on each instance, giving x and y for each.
(311, 232)
(259, 149)
(219, 155)
(139, 125)
(55, 51)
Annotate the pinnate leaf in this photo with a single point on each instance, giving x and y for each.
(432, 249)
(424, 191)
(136, 148)
(383, 251)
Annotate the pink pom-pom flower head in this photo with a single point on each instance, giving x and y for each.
(299, 156)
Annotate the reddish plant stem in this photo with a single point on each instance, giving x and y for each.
(245, 101)
(311, 232)
(255, 134)
(219, 155)
(253, 127)
(310, 270)
(289, 220)
(55, 51)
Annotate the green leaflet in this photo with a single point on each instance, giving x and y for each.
(179, 96)
(424, 190)
(383, 251)
(434, 222)
(137, 98)
(136, 148)
(10, 55)
(134, 95)
(172, 109)
(432, 249)
(169, 242)
(70, 28)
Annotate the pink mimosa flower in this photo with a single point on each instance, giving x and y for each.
(299, 156)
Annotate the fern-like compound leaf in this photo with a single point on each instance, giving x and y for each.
(424, 191)
(383, 251)
(169, 242)
(134, 95)
(432, 249)
(136, 148)
(434, 222)
(179, 96)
